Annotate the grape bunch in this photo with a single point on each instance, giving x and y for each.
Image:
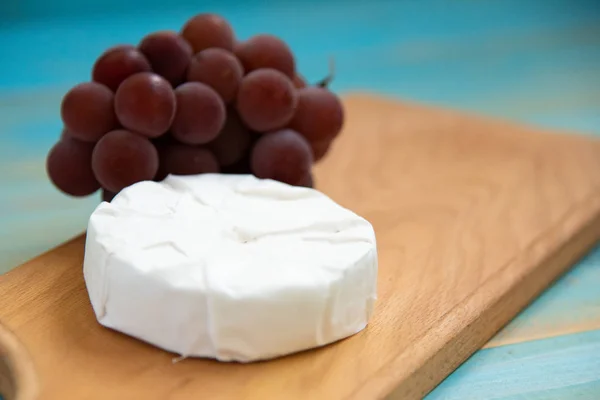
(197, 101)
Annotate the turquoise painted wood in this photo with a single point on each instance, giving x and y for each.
(527, 60)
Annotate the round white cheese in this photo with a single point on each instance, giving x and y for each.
(230, 267)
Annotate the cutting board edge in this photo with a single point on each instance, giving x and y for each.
(19, 268)
(584, 221)
(18, 377)
(482, 117)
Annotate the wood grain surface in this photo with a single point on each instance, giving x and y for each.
(473, 219)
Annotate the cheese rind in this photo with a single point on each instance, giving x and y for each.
(230, 267)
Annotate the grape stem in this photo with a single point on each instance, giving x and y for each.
(325, 82)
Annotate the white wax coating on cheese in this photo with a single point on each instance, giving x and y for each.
(230, 267)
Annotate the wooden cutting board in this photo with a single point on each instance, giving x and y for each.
(473, 218)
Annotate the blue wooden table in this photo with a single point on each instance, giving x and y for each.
(532, 61)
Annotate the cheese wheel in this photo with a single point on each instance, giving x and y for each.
(230, 267)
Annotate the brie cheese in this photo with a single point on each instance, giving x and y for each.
(230, 267)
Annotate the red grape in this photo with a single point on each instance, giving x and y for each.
(161, 143)
(283, 155)
(320, 148)
(161, 173)
(219, 69)
(122, 158)
(163, 140)
(266, 51)
(87, 111)
(208, 30)
(299, 82)
(108, 195)
(232, 142)
(65, 134)
(266, 100)
(319, 114)
(306, 181)
(69, 166)
(240, 167)
(169, 55)
(145, 103)
(181, 159)
(200, 114)
(117, 64)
